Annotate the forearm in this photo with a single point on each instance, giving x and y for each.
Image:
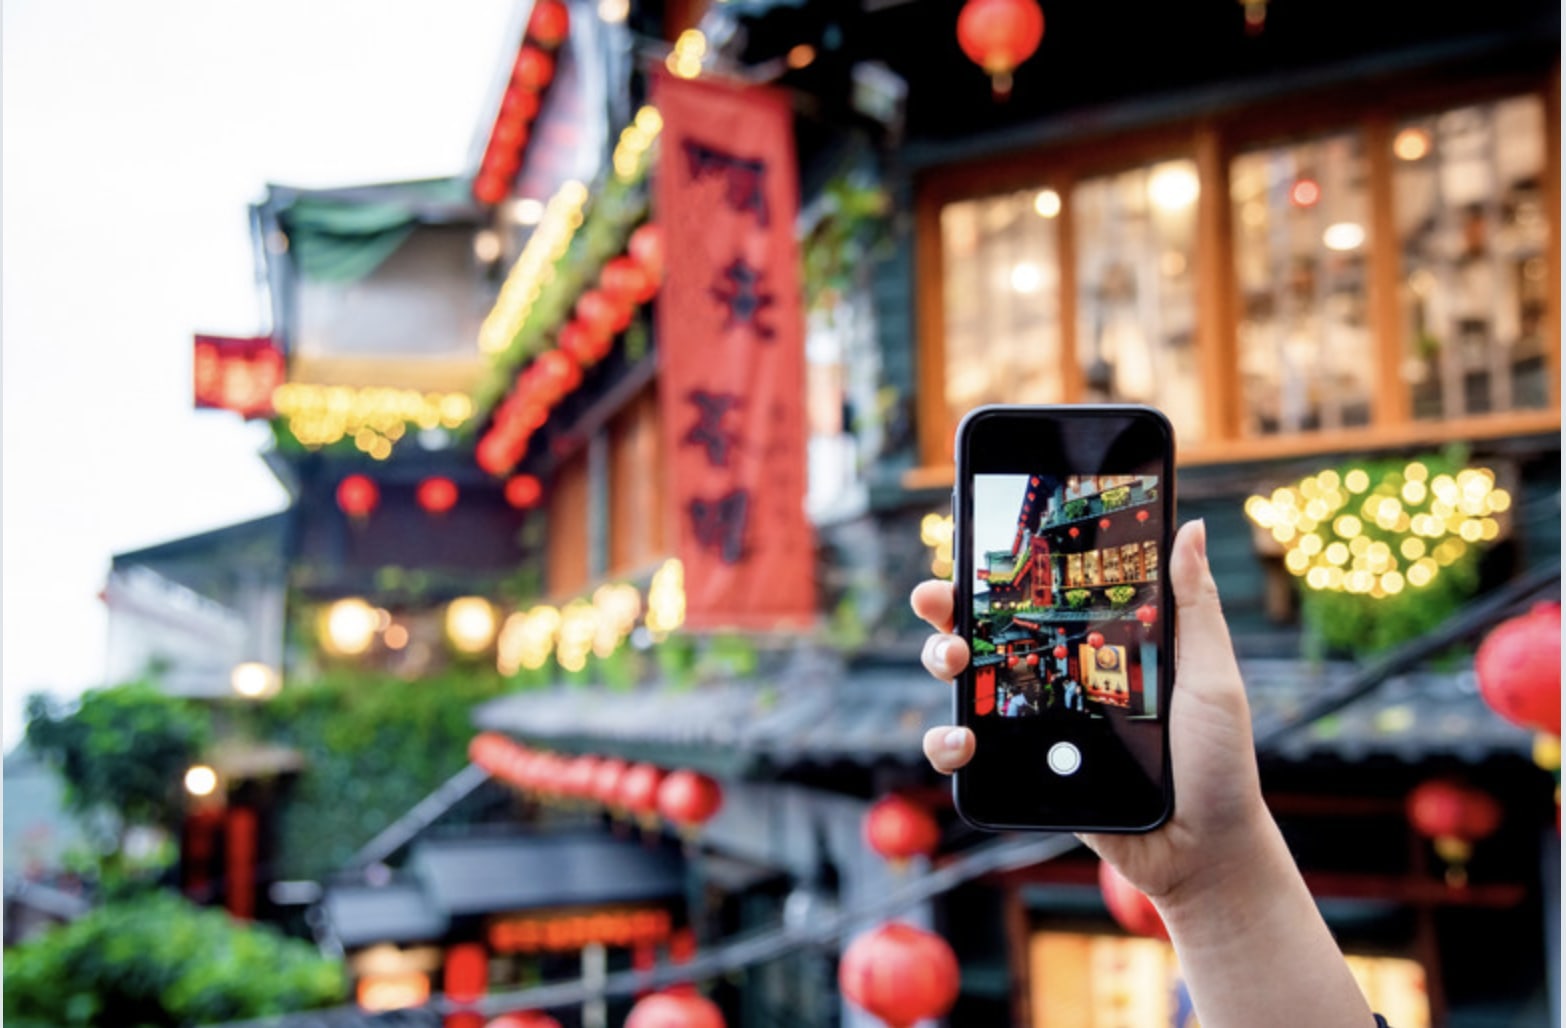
(1254, 949)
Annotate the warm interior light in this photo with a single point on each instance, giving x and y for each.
(1411, 144)
(1173, 186)
(685, 60)
(395, 991)
(486, 246)
(470, 623)
(254, 680)
(348, 627)
(1343, 236)
(201, 780)
(666, 598)
(614, 11)
(801, 56)
(1047, 203)
(527, 212)
(1305, 193)
(1026, 278)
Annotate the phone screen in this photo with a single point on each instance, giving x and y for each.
(1064, 518)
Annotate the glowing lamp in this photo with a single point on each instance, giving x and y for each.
(998, 35)
(437, 495)
(254, 680)
(201, 780)
(470, 624)
(900, 973)
(1519, 669)
(548, 24)
(689, 799)
(899, 829)
(358, 496)
(1128, 905)
(524, 491)
(348, 627)
(675, 1010)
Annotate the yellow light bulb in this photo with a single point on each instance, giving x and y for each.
(1392, 582)
(1498, 500)
(1328, 480)
(1310, 545)
(1337, 554)
(1359, 546)
(1471, 531)
(1318, 578)
(1357, 480)
(1297, 561)
(1414, 492)
(1422, 573)
(1347, 526)
(1283, 533)
(1411, 549)
(1416, 472)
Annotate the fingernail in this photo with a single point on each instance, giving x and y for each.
(1201, 539)
(943, 651)
(953, 740)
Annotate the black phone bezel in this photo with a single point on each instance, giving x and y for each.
(962, 497)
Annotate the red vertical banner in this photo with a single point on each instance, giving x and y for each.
(731, 355)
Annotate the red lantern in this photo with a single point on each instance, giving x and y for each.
(509, 137)
(639, 788)
(518, 105)
(491, 187)
(1059, 652)
(606, 781)
(1095, 639)
(534, 69)
(437, 495)
(900, 974)
(598, 314)
(898, 829)
(549, 23)
(358, 496)
(675, 1010)
(1454, 817)
(998, 35)
(689, 799)
(1519, 669)
(1103, 523)
(626, 281)
(1147, 613)
(1033, 660)
(581, 344)
(524, 1019)
(1142, 516)
(1128, 905)
(1011, 662)
(523, 492)
(1061, 630)
(646, 248)
(1074, 531)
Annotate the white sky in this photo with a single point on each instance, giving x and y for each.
(996, 501)
(133, 137)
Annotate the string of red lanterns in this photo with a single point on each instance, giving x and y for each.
(531, 75)
(601, 313)
(684, 799)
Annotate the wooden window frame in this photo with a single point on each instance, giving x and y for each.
(1212, 144)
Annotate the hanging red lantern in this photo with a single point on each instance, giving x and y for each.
(689, 799)
(580, 775)
(900, 829)
(1128, 905)
(1074, 531)
(533, 69)
(675, 1009)
(1060, 652)
(646, 248)
(1147, 613)
(638, 791)
(524, 1019)
(1103, 523)
(1454, 817)
(626, 281)
(548, 24)
(1061, 630)
(523, 492)
(518, 105)
(502, 162)
(510, 136)
(900, 973)
(1032, 660)
(1519, 669)
(491, 454)
(1095, 639)
(1142, 516)
(1011, 662)
(606, 781)
(998, 35)
(437, 495)
(358, 496)
(491, 187)
(580, 344)
(598, 314)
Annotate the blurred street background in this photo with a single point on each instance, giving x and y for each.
(465, 466)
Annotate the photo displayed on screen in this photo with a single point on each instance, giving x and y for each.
(1065, 595)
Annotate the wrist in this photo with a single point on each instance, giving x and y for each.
(1237, 876)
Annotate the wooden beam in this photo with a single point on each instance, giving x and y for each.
(1390, 404)
(1217, 328)
(935, 442)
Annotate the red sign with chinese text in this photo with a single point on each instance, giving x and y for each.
(731, 355)
(237, 374)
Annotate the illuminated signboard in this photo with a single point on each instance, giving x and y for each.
(562, 932)
(237, 374)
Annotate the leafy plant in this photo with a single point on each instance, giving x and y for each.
(983, 646)
(1074, 509)
(159, 960)
(851, 231)
(1078, 598)
(1114, 499)
(1120, 595)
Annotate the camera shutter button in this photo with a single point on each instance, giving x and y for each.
(1064, 758)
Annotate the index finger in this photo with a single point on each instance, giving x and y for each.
(933, 601)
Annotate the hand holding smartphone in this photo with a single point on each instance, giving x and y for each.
(1063, 523)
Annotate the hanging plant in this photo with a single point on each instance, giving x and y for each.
(853, 230)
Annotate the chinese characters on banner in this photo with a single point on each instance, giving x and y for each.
(731, 353)
(237, 374)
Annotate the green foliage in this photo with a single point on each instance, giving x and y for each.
(851, 232)
(1078, 598)
(373, 745)
(983, 646)
(158, 960)
(1120, 595)
(1114, 499)
(124, 748)
(1074, 509)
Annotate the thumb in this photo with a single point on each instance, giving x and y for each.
(1204, 654)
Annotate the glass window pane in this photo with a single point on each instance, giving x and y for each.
(1002, 300)
(1472, 227)
(1301, 249)
(1136, 290)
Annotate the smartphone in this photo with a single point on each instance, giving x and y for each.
(1063, 520)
